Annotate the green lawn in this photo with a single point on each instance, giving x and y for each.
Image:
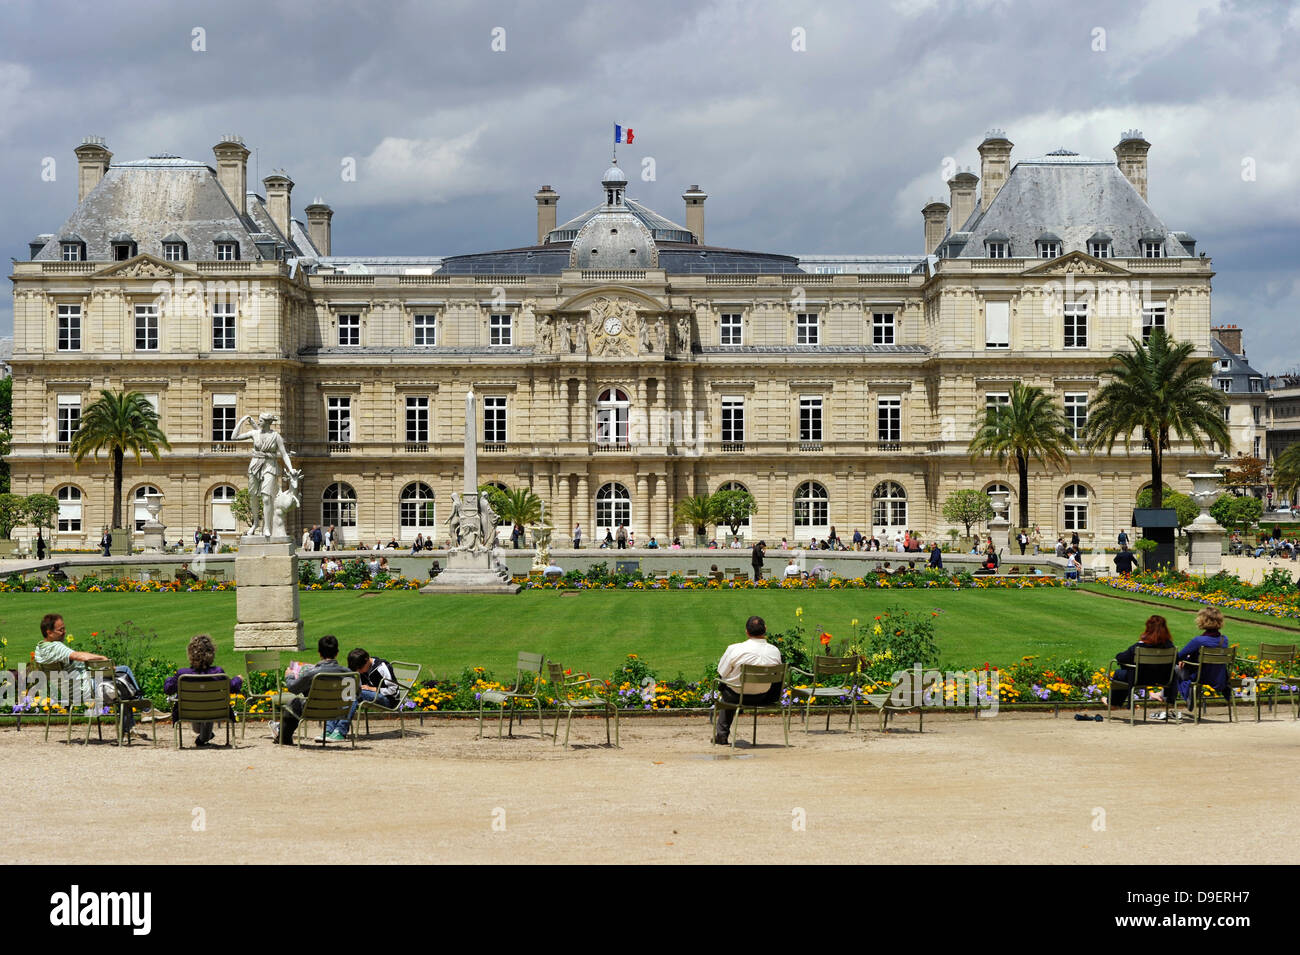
(594, 631)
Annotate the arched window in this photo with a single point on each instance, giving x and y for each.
(737, 486)
(812, 507)
(1076, 507)
(142, 512)
(613, 507)
(339, 506)
(612, 406)
(415, 509)
(889, 505)
(69, 509)
(223, 519)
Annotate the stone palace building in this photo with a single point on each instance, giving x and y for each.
(621, 362)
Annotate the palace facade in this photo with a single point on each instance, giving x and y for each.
(620, 362)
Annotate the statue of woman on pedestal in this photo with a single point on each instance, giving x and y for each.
(263, 470)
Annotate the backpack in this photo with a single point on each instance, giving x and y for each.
(122, 688)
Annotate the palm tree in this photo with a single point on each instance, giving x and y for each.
(1286, 471)
(520, 506)
(120, 421)
(1158, 389)
(697, 511)
(1030, 426)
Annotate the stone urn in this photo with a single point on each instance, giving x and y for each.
(999, 500)
(153, 504)
(542, 545)
(1205, 491)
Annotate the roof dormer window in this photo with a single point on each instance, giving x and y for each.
(1048, 245)
(1151, 248)
(123, 250)
(73, 248)
(174, 251)
(997, 250)
(227, 251)
(1099, 246)
(997, 244)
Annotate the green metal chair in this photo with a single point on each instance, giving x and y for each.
(405, 675)
(528, 670)
(59, 689)
(1283, 657)
(824, 667)
(566, 701)
(106, 672)
(901, 698)
(330, 697)
(264, 661)
(1210, 656)
(202, 698)
(1148, 662)
(774, 673)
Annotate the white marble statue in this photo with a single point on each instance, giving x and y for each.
(264, 471)
(287, 500)
(683, 334)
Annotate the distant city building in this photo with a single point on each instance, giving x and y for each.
(621, 362)
(1245, 391)
(6, 355)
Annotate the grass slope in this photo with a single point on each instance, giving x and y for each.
(594, 631)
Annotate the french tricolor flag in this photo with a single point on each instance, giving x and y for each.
(622, 135)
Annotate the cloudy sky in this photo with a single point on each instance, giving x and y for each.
(830, 148)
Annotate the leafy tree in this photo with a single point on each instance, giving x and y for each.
(1187, 509)
(1157, 390)
(967, 506)
(119, 422)
(697, 511)
(1030, 426)
(241, 509)
(1239, 512)
(1245, 473)
(13, 511)
(496, 497)
(42, 510)
(733, 508)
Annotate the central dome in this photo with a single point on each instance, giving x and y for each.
(613, 177)
(613, 240)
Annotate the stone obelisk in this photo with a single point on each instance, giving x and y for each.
(473, 563)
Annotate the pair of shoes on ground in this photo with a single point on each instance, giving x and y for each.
(719, 741)
(1174, 716)
(335, 737)
(205, 739)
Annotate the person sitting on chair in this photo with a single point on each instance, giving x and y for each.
(378, 685)
(1156, 635)
(52, 650)
(753, 651)
(1209, 621)
(328, 648)
(201, 652)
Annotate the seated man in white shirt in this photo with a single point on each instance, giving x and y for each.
(755, 651)
(792, 569)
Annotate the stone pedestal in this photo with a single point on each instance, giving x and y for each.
(266, 596)
(153, 539)
(1206, 555)
(472, 573)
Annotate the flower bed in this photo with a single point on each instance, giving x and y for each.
(1275, 596)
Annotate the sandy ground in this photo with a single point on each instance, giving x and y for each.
(1021, 788)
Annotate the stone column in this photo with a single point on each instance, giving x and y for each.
(666, 492)
(641, 507)
(583, 506)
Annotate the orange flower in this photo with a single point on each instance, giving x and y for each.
(826, 638)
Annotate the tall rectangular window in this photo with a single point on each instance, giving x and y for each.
(810, 419)
(1076, 325)
(733, 420)
(223, 417)
(997, 324)
(146, 328)
(338, 411)
(69, 328)
(1076, 412)
(500, 331)
(426, 330)
(1153, 316)
(223, 326)
(731, 329)
(996, 399)
(69, 417)
(806, 329)
(494, 419)
(417, 419)
(889, 419)
(350, 331)
(882, 328)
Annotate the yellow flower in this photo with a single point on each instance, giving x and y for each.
(798, 611)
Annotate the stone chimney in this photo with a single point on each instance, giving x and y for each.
(93, 158)
(961, 193)
(278, 186)
(695, 197)
(935, 214)
(1131, 154)
(547, 199)
(232, 170)
(995, 165)
(1229, 336)
(318, 225)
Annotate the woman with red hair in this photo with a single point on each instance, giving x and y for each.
(1155, 635)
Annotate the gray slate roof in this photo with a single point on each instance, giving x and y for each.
(661, 229)
(674, 258)
(154, 198)
(1238, 369)
(1073, 197)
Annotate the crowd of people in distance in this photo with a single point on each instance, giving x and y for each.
(206, 540)
(1274, 547)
